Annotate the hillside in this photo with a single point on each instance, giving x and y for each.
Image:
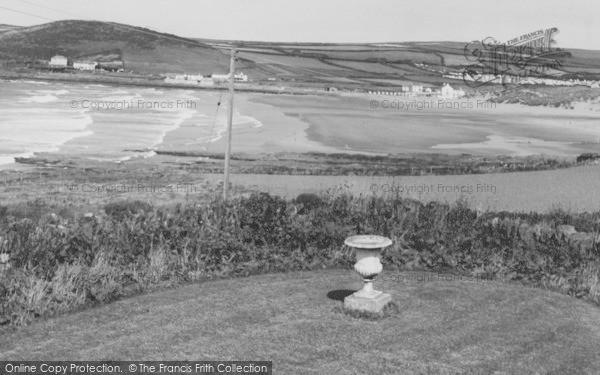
(5, 27)
(381, 64)
(142, 50)
(359, 66)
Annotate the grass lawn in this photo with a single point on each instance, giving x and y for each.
(443, 327)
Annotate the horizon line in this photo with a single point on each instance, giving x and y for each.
(275, 42)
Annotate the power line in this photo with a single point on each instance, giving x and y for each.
(45, 7)
(214, 121)
(128, 27)
(28, 14)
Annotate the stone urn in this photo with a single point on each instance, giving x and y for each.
(368, 265)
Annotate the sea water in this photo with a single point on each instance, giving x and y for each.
(95, 121)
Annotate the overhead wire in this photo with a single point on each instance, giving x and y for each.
(26, 13)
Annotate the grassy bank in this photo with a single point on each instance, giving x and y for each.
(54, 262)
(539, 95)
(321, 164)
(293, 319)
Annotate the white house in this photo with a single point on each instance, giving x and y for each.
(58, 61)
(218, 78)
(240, 77)
(447, 92)
(85, 65)
(189, 77)
(416, 88)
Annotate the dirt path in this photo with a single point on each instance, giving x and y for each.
(573, 189)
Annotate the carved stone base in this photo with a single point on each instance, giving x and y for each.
(370, 304)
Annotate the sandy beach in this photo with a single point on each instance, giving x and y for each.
(423, 125)
(182, 120)
(257, 129)
(278, 123)
(268, 124)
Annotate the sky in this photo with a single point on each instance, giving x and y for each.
(341, 21)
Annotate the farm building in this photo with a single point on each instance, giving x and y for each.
(84, 65)
(58, 61)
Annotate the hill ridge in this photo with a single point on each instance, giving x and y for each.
(145, 50)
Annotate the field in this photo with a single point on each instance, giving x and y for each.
(348, 66)
(421, 62)
(377, 68)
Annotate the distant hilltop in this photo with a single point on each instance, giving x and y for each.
(143, 49)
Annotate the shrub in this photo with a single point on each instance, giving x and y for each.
(124, 209)
(588, 156)
(308, 201)
(58, 265)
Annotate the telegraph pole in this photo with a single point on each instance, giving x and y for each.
(229, 122)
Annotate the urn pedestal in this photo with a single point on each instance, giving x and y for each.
(368, 265)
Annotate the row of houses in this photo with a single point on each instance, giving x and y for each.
(199, 79)
(238, 77)
(522, 80)
(59, 61)
(445, 92)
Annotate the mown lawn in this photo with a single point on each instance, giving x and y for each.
(443, 327)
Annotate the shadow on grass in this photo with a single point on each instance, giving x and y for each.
(339, 294)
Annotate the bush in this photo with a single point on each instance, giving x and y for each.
(57, 265)
(308, 201)
(121, 210)
(588, 156)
